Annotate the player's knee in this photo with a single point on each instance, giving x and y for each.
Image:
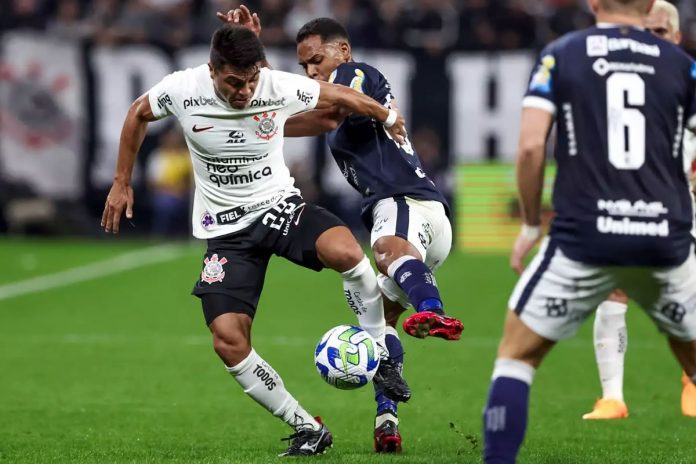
(230, 348)
(388, 249)
(343, 256)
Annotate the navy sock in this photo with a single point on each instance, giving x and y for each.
(416, 280)
(396, 353)
(505, 420)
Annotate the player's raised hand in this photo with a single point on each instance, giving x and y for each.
(528, 237)
(398, 129)
(120, 197)
(242, 16)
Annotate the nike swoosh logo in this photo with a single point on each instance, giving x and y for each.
(312, 448)
(201, 129)
(297, 220)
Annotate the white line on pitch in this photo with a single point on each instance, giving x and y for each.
(120, 263)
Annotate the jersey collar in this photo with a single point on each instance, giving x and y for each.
(612, 25)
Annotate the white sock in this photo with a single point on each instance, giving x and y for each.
(365, 299)
(610, 342)
(513, 369)
(260, 381)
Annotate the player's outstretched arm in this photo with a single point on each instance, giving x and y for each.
(531, 154)
(352, 101)
(121, 194)
(315, 122)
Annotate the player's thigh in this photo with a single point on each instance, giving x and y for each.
(295, 232)
(554, 295)
(423, 223)
(232, 277)
(669, 297)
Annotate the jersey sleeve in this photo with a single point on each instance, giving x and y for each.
(364, 79)
(164, 95)
(540, 93)
(302, 92)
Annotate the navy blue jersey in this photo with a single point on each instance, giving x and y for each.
(373, 163)
(622, 98)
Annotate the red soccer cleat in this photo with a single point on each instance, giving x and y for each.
(387, 437)
(432, 324)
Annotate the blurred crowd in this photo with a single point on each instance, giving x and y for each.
(427, 29)
(431, 25)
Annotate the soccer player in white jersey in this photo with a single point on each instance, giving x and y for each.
(407, 216)
(621, 99)
(610, 334)
(233, 111)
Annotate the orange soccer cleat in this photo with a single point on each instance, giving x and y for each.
(608, 409)
(688, 398)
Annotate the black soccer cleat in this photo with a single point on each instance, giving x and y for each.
(387, 436)
(308, 442)
(388, 379)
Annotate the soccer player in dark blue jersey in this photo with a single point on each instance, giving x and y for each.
(621, 99)
(609, 330)
(407, 215)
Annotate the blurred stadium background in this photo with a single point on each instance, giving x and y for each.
(104, 356)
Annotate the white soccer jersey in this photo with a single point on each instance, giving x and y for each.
(237, 155)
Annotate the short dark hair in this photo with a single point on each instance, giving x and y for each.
(235, 46)
(325, 28)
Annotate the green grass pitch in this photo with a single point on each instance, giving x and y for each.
(120, 369)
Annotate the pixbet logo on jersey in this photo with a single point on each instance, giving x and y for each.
(198, 101)
(270, 102)
(267, 127)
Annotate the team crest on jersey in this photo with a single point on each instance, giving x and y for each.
(213, 270)
(541, 81)
(267, 127)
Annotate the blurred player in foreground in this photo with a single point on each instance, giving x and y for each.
(233, 111)
(411, 234)
(621, 98)
(610, 334)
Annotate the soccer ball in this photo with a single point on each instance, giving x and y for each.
(346, 357)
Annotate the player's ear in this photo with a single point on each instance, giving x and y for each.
(210, 68)
(345, 50)
(678, 37)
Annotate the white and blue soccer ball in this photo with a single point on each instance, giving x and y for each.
(346, 357)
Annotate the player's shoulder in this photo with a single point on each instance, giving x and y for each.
(186, 79)
(355, 68)
(679, 55)
(567, 41)
(359, 76)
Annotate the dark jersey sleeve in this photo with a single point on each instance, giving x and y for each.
(363, 78)
(541, 92)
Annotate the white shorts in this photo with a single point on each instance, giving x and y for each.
(424, 223)
(555, 294)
